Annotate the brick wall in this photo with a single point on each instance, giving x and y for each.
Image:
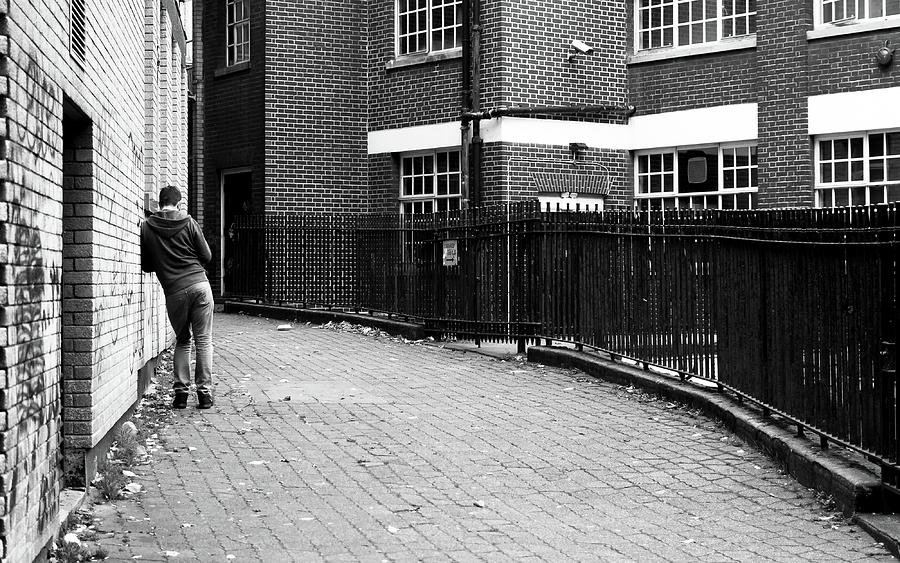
(847, 63)
(693, 82)
(533, 39)
(233, 115)
(508, 170)
(424, 93)
(315, 105)
(785, 157)
(78, 319)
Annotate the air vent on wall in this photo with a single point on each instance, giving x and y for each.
(78, 31)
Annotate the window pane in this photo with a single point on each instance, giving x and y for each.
(728, 179)
(856, 147)
(841, 197)
(876, 195)
(876, 144)
(893, 193)
(826, 173)
(825, 150)
(841, 172)
(876, 170)
(893, 169)
(668, 162)
(856, 171)
(840, 148)
(698, 170)
(893, 143)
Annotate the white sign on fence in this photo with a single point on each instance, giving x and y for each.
(451, 256)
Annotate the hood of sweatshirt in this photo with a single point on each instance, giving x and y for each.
(168, 223)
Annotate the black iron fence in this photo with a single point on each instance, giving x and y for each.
(793, 309)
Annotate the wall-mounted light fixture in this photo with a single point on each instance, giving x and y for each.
(576, 148)
(885, 54)
(579, 46)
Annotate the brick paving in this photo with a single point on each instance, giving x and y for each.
(338, 446)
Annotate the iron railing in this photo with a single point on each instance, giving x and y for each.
(794, 309)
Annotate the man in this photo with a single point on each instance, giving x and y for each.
(173, 247)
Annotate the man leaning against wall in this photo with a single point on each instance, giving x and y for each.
(173, 246)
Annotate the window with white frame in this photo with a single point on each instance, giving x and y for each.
(848, 11)
(710, 177)
(679, 23)
(858, 169)
(425, 26)
(237, 31)
(429, 182)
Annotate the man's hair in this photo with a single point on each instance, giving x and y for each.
(170, 195)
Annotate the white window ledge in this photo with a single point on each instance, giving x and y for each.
(851, 28)
(665, 53)
(412, 60)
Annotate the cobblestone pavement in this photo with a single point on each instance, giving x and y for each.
(337, 446)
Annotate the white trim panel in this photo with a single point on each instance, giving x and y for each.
(854, 111)
(720, 124)
(420, 137)
(520, 130)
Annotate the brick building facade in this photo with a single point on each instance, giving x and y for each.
(94, 123)
(712, 103)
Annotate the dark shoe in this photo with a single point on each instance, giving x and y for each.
(204, 400)
(180, 400)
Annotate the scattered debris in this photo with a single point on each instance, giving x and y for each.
(285, 327)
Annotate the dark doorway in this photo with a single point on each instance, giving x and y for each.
(77, 327)
(236, 201)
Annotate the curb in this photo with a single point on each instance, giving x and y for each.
(885, 528)
(853, 487)
(410, 331)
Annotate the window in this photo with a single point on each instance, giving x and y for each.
(847, 11)
(425, 26)
(237, 31)
(678, 23)
(858, 169)
(429, 182)
(713, 177)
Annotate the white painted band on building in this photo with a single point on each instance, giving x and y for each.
(854, 111)
(420, 137)
(524, 131)
(721, 124)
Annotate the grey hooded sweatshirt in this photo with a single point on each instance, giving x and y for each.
(173, 247)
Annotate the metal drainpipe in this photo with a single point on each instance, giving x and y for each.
(465, 100)
(476, 103)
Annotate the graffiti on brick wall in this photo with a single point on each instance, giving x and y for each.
(118, 154)
(31, 321)
(36, 134)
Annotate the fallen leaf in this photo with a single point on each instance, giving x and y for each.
(258, 462)
(127, 473)
(133, 487)
(171, 554)
(393, 530)
(71, 537)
